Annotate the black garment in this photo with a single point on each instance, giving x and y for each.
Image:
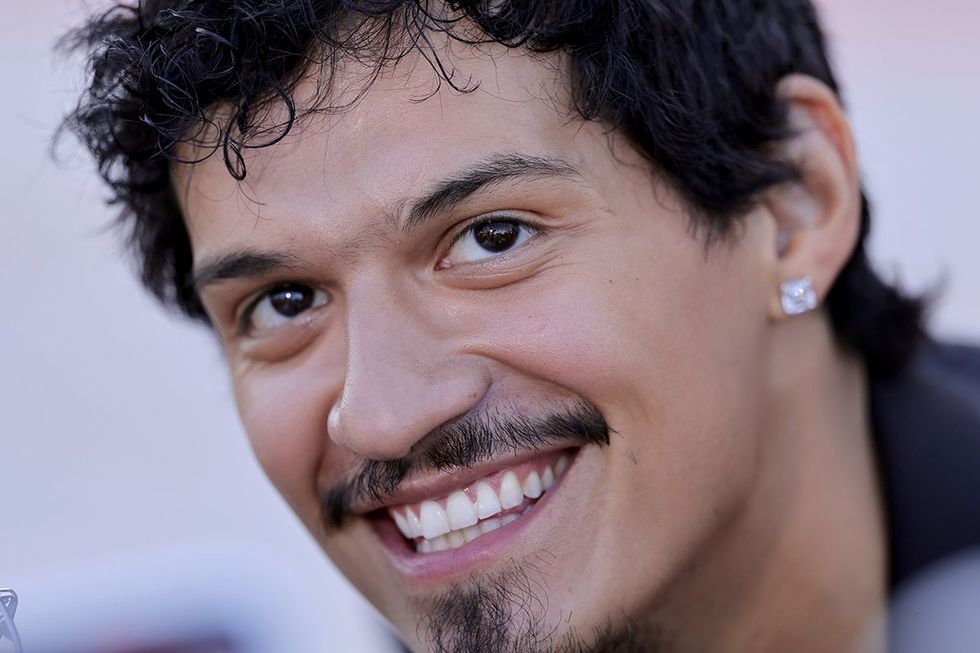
(927, 434)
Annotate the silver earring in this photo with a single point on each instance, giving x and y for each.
(798, 296)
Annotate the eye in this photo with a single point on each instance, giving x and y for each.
(486, 239)
(280, 305)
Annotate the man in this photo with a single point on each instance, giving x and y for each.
(551, 320)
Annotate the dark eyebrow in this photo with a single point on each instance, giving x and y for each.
(444, 196)
(236, 265)
(452, 191)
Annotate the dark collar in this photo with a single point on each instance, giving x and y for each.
(927, 434)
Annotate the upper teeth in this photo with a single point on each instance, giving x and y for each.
(453, 520)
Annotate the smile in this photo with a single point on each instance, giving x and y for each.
(467, 513)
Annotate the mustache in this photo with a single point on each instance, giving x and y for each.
(463, 443)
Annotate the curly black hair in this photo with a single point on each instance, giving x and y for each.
(692, 83)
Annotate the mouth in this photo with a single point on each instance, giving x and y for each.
(470, 513)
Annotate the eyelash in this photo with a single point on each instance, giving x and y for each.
(246, 315)
(248, 312)
(473, 226)
(476, 224)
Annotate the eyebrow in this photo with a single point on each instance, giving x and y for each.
(444, 196)
(241, 264)
(451, 192)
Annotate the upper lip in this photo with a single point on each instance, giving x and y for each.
(433, 484)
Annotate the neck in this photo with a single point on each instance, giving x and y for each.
(803, 567)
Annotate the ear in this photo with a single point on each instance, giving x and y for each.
(817, 217)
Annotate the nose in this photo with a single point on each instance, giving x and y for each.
(403, 378)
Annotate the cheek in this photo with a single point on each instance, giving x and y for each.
(284, 410)
(687, 358)
(671, 348)
(651, 332)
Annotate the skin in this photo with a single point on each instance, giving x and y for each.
(736, 507)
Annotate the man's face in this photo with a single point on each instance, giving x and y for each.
(481, 340)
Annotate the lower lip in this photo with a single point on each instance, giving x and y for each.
(483, 551)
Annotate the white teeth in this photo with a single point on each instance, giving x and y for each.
(434, 521)
(511, 493)
(488, 525)
(461, 511)
(456, 539)
(452, 540)
(451, 523)
(561, 465)
(440, 543)
(414, 523)
(487, 504)
(532, 486)
(547, 479)
(401, 523)
(472, 533)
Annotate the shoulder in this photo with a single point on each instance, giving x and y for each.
(939, 392)
(926, 425)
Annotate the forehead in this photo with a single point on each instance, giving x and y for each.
(374, 156)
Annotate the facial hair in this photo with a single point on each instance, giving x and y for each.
(463, 443)
(505, 612)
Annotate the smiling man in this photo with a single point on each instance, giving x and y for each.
(551, 320)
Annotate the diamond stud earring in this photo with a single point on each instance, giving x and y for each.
(797, 296)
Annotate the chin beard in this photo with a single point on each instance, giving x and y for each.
(506, 613)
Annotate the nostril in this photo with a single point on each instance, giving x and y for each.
(374, 433)
(385, 411)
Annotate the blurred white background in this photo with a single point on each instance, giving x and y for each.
(118, 438)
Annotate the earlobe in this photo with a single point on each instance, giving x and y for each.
(817, 217)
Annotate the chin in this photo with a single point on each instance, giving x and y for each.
(506, 555)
